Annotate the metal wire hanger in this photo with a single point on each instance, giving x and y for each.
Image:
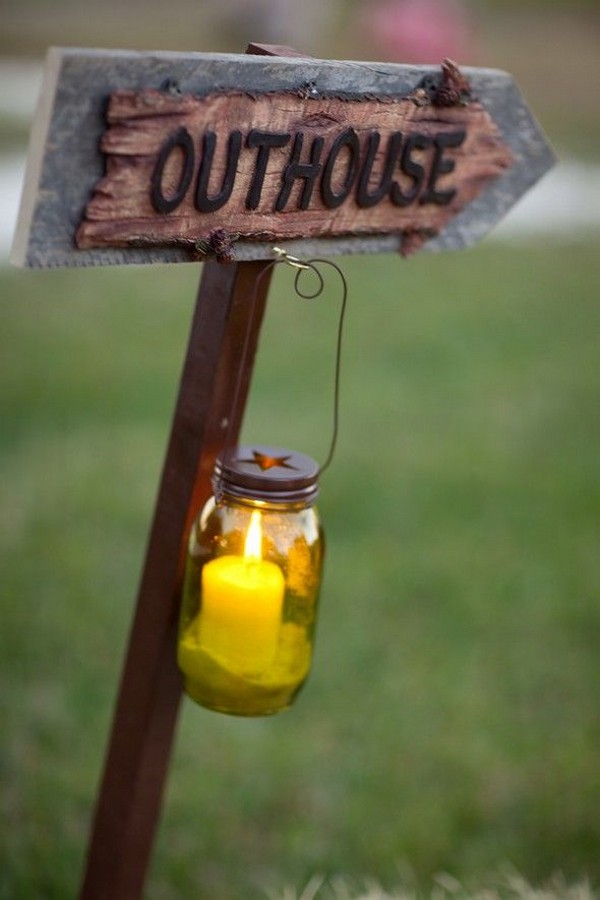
(302, 267)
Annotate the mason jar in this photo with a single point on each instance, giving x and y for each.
(252, 581)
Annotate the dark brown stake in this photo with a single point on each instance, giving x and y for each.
(274, 50)
(216, 373)
(145, 717)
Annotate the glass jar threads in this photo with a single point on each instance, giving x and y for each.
(252, 584)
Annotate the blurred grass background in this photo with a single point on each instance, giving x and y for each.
(452, 718)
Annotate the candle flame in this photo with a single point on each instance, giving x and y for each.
(253, 545)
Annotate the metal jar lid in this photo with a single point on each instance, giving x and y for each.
(270, 474)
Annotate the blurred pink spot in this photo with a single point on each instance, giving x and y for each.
(419, 31)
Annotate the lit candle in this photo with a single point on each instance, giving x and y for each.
(242, 602)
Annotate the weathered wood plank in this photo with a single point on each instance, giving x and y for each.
(67, 161)
(398, 167)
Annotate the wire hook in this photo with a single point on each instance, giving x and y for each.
(284, 256)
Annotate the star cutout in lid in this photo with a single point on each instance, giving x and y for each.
(266, 462)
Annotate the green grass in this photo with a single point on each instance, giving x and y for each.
(451, 721)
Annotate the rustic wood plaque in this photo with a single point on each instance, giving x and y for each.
(170, 157)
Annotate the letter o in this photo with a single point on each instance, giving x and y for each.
(347, 139)
(182, 139)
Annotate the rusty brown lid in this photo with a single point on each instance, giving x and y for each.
(270, 474)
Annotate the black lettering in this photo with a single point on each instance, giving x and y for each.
(183, 140)
(295, 169)
(411, 168)
(204, 203)
(265, 141)
(347, 139)
(442, 166)
(364, 197)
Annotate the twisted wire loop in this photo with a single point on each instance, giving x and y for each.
(303, 268)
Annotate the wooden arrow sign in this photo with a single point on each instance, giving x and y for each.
(168, 157)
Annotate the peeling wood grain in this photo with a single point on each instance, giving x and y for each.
(121, 212)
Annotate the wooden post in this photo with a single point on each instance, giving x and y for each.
(224, 337)
(145, 717)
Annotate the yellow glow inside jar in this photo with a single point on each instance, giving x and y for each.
(252, 583)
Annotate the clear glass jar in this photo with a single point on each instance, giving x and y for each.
(252, 584)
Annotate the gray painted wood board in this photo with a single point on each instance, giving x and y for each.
(65, 161)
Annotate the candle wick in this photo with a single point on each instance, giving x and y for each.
(252, 560)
